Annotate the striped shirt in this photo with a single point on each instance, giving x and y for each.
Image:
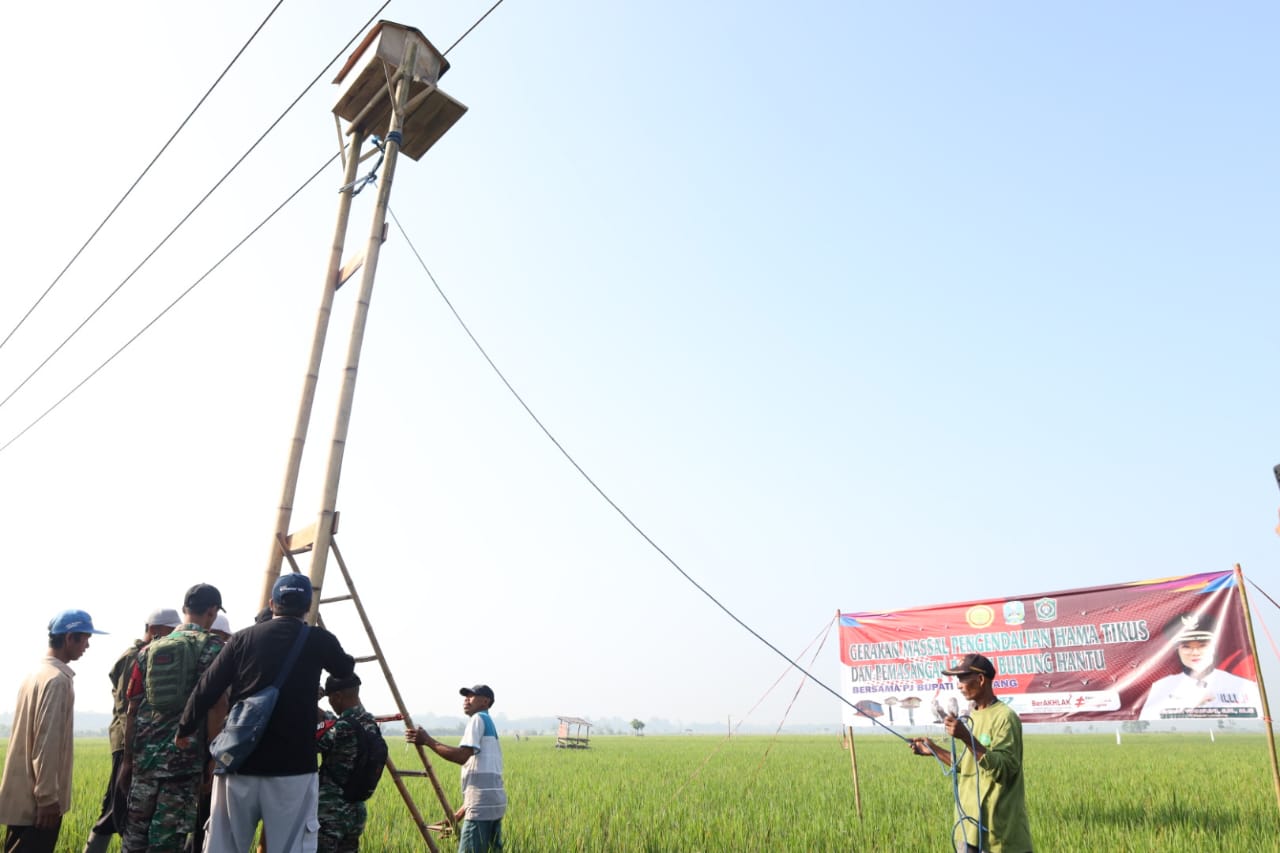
(482, 792)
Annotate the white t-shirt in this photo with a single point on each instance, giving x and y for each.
(482, 791)
(1217, 694)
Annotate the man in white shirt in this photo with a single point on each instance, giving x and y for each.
(484, 800)
(35, 791)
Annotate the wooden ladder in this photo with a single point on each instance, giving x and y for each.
(303, 541)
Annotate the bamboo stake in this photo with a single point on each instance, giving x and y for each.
(1262, 689)
(289, 489)
(853, 756)
(324, 526)
(853, 762)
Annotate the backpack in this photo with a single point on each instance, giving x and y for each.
(171, 669)
(371, 757)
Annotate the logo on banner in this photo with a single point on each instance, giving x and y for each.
(980, 616)
(1047, 609)
(1014, 613)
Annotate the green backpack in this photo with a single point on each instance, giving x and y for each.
(171, 669)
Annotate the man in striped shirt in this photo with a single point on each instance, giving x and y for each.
(484, 801)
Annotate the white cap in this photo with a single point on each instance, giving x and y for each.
(164, 616)
(222, 623)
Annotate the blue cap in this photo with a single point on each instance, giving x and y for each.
(73, 622)
(292, 590)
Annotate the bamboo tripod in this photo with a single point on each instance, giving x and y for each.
(396, 90)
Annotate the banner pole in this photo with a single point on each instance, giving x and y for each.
(853, 762)
(853, 755)
(1262, 689)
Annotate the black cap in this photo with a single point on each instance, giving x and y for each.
(201, 597)
(971, 664)
(479, 690)
(1191, 627)
(335, 683)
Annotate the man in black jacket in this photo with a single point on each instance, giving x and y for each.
(277, 784)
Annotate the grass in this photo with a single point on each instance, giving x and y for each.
(1166, 792)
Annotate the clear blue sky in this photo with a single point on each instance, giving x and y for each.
(850, 306)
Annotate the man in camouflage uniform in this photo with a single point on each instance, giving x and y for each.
(159, 624)
(165, 779)
(341, 822)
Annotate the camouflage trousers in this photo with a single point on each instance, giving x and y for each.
(162, 813)
(341, 824)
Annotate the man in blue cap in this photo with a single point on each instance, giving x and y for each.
(35, 791)
(277, 783)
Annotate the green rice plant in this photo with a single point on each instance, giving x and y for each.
(1165, 792)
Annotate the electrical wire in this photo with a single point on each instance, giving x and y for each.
(137, 180)
(604, 495)
(170, 306)
(181, 296)
(478, 22)
(192, 211)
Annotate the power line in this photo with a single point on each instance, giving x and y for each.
(192, 211)
(600, 491)
(170, 306)
(478, 22)
(143, 174)
(233, 249)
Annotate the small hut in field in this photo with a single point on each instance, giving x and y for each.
(570, 734)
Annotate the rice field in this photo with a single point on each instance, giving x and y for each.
(1156, 792)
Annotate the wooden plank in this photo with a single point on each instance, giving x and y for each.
(351, 267)
(301, 541)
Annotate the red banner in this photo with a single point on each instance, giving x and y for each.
(1168, 649)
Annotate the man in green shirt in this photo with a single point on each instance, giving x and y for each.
(989, 779)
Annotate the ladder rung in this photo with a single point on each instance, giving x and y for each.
(420, 774)
(335, 598)
(366, 659)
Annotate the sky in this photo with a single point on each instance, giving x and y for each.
(848, 306)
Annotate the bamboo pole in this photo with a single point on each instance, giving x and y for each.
(853, 756)
(391, 683)
(1262, 689)
(284, 512)
(342, 423)
(853, 762)
(423, 829)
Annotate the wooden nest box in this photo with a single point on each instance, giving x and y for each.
(370, 76)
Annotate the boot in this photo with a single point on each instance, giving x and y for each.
(97, 843)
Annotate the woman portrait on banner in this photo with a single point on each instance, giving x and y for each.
(1200, 689)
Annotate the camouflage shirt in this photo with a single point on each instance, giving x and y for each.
(339, 747)
(119, 676)
(154, 751)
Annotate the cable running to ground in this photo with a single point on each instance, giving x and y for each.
(192, 211)
(137, 180)
(826, 629)
(170, 306)
(645, 536)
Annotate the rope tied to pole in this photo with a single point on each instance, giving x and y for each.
(372, 178)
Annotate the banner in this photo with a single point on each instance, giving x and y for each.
(1169, 649)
